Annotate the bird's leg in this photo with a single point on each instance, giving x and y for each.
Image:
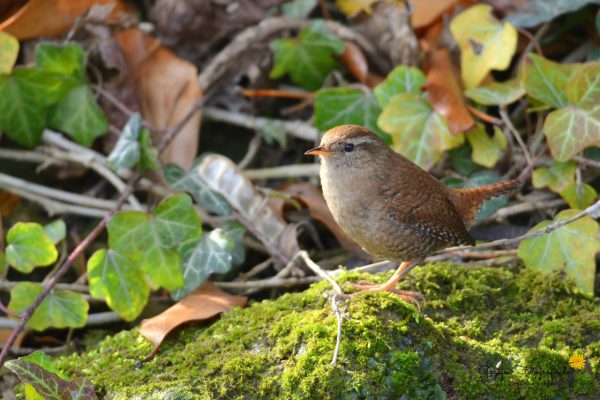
(390, 285)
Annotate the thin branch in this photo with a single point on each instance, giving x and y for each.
(284, 94)
(587, 161)
(299, 129)
(285, 171)
(508, 123)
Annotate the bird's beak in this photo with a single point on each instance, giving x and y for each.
(318, 151)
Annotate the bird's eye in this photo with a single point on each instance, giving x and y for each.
(348, 147)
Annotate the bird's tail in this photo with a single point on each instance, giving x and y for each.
(469, 201)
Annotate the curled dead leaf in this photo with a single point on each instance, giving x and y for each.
(204, 303)
(445, 93)
(37, 18)
(356, 62)
(167, 88)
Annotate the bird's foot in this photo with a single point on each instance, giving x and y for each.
(406, 295)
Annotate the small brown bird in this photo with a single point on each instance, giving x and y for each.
(391, 207)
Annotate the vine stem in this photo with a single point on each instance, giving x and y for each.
(128, 190)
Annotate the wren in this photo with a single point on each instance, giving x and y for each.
(390, 206)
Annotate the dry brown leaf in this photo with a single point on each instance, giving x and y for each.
(167, 88)
(313, 199)
(356, 62)
(38, 18)
(426, 11)
(8, 202)
(204, 303)
(445, 93)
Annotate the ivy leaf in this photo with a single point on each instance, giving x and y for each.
(50, 87)
(68, 59)
(235, 232)
(486, 150)
(78, 115)
(572, 247)
(114, 278)
(275, 131)
(497, 93)
(48, 385)
(152, 240)
(353, 7)
(191, 182)
(29, 247)
(339, 106)
(60, 309)
(9, 50)
(402, 79)
(546, 80)
(22, 111)
(299, 9)
(149, 154)
(557, 177)
(203, 257)
(309, 58)
(126, 152)
(417, 131)
(56, 231)
(485, 43)
(462, 160)
(570, 130)
(534, 12)
(579, 196)
(3, 263)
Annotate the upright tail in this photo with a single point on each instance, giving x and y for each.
(468, 201)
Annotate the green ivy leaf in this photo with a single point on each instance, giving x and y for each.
(558, 176)
(309, 58)
(403, 79)
(235, 232)
(546, 80)
(22, 111)
(152, 240)
(126, 152)
(579, 196)
(48, 385)
(462, 161)
(60, 309)
(114, 278)
(3, 263)
(497, 93)
(486, 150)
(56, 231)
(339, 106)
(583, 88)
(78, 115)
(570, 130)
(9, 50)
(50, 87)
(29, 247)
(149, 155)
(68, 59)
(417, 131)
(572, 247)
(191, 182)
(45, 361)
(203, 257)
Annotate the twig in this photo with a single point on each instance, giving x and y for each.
(285, 94)
(299, 129)
(285, 171)
(587, 161)
(533, 40)
(253, 147)
(257, 269)
(508, 123)
(484, 117)
(334, 305)
(269, 283)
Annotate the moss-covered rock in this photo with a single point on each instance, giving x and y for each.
(482, 333)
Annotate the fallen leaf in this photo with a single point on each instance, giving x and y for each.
(485, 43)
(313, 199)
(356, 62)
(167, 88)
(204, 303)
(8, 202)
(445, 94)
(427, 11)
(53, 18)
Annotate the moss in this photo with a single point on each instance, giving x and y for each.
(482, 333)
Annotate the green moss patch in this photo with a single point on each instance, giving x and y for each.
(482, 333)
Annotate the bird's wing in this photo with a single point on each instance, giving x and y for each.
(430, 213)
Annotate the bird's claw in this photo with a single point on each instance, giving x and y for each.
(406, 295)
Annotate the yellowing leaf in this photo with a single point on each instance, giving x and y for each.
(485, 43)
(583, 88)
(486, 150)
(556, 177)
(579, 196)
(546, 80)
(417, 131)
(9, 50)
(497, 93)
(570, 130)
(572, 247)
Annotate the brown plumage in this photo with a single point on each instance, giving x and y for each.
(389, 205)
